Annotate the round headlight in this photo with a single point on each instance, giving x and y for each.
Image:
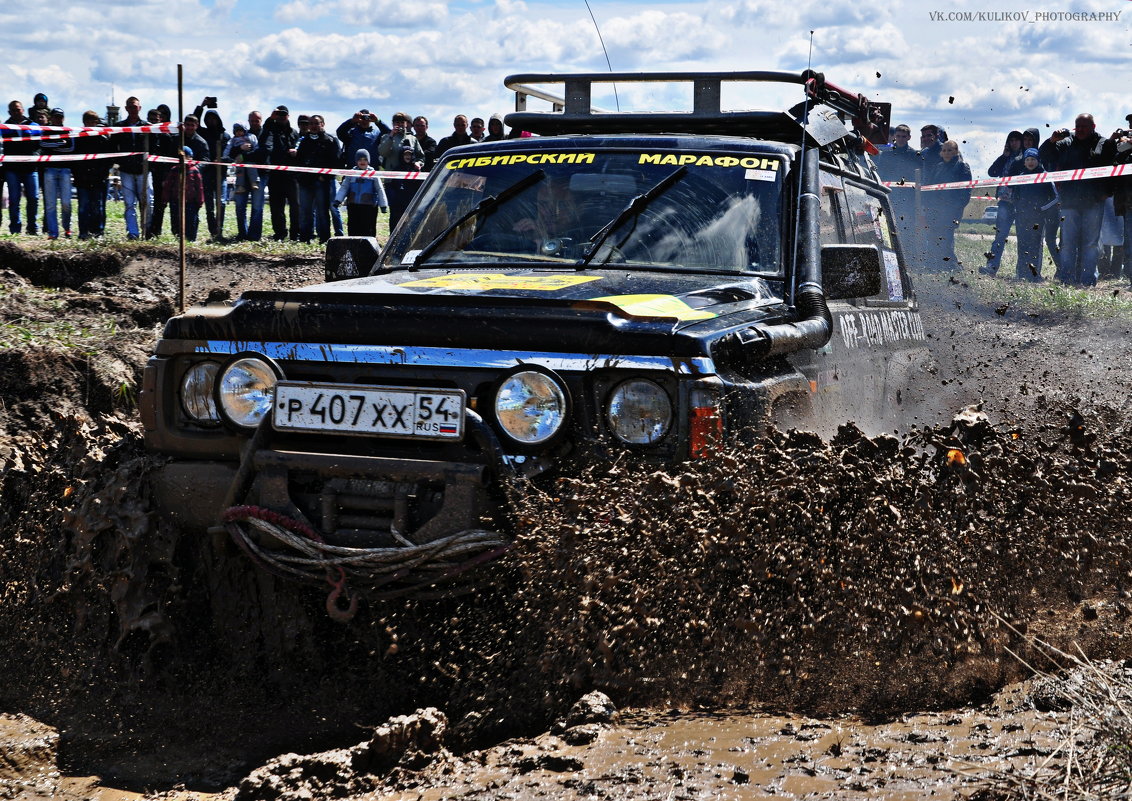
(246, 391)
(196, 392)
(530, 407)
(639, 412)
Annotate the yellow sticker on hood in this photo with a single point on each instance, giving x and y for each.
(656, 306)
(488, 281)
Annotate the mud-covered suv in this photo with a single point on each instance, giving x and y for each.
(651, 283)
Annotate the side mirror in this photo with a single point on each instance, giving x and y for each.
(851, 271)
(350, 257)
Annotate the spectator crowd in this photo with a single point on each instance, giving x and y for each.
(301, 205)
(1075, 221)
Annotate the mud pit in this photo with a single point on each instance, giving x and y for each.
(812, 617)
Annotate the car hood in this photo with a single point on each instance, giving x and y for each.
(499, 306)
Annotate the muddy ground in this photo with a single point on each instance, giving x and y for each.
(845, 617)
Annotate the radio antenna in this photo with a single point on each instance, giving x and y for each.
(608, 63)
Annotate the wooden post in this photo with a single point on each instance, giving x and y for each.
(183, 167)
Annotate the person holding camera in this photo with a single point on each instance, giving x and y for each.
(276, 144)
(398, 137)
(1122, 189)
(360, 132)
(212, 130)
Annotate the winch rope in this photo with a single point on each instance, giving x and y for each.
(308, 556)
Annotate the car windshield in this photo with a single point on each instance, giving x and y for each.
(709, 211)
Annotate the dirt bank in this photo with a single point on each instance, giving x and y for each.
(777, 589)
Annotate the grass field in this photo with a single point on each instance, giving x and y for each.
(1110, 298)
(116, 234)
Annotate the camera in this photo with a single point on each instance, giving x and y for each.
(1123, 139)
(210, 102)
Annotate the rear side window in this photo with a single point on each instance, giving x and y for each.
(868, 223)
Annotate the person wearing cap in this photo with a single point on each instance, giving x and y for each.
(91, 178)
(239, 147)
(276, 147)
(398, 137)
(57, 180)
(1031, 202)
(360, 132)
(1082, 202)
(363, 197)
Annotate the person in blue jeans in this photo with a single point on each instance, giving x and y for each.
(1082, 202)
(22, 179)
(57, 180)
(1010, 159)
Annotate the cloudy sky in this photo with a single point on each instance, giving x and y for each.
(1023, 64)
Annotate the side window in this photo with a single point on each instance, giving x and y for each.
(831, 228)
(869, 225)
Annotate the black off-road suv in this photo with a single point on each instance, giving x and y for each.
(653, 283)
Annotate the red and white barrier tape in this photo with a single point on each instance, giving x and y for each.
(1061, 176)
(415, 175)
(32, 133)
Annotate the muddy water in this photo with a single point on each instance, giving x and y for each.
(743, 755)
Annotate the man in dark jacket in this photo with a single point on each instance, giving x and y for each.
(428, 144)
(1122, 194)
(90, 179)
(160, 144)
(22, 179)
(901, 163)
(932, 138)
(275, 146)
(1082, 202)
(459, 136)
(316, 149)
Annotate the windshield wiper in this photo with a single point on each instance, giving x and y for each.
(485, 206)
(632, 209)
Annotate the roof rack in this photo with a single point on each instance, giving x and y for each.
(573, 112)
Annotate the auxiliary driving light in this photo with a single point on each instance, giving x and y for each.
(530, 407)
(246, 390)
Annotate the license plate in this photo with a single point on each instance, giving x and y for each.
(363, 409)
